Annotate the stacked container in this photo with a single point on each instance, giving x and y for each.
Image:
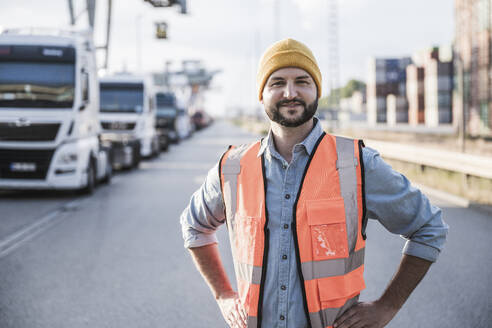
(473, 53)
(438, 85)
(386, 76)
(415, 94)
(397, 109)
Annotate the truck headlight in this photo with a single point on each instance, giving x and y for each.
(68, 158)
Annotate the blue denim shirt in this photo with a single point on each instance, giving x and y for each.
(390, 199)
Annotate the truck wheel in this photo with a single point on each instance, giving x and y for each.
(136, 157)
(109, 172)
(91, 179)
(157, 148)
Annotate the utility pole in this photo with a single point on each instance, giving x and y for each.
(108, 33)
(333, 57)
(91, 12)
(138, 47)
(72, 15)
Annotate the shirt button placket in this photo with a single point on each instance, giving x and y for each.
(283, 278)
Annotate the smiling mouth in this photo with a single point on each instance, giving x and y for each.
(291, 105)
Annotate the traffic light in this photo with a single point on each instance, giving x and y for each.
(160, 3)
(182, 4)
(161, 30)
(169, 3)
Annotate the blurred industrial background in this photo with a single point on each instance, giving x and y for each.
(113, 111)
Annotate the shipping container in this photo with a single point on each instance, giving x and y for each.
(445, 83)
(483, 84)
(483, 11)
(415, 94)
(484, 117)
(397, 109)
(446, 54)
(483, 47)
(445, 116)
(490, 115)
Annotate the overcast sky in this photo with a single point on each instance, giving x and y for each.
(232, 34)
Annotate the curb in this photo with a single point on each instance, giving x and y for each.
(456, 200)
(484, 209)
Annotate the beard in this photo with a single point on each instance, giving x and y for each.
(273, 112)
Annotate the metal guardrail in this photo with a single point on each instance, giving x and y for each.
(479, 166)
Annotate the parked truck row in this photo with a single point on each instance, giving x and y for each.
(63, 127)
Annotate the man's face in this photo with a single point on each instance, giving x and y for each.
(290, 97)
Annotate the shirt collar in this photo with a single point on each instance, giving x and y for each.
(308, 143)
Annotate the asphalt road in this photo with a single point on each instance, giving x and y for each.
(116, 258)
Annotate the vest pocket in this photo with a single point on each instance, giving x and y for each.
(326, 220)
(335, 291)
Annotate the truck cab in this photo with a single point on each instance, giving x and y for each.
(166, 113)
(49, 111)
(128, 118)
(173, 122)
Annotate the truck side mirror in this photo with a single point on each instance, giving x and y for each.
(85, 89)
(83, 106)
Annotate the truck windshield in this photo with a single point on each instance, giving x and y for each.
(166, 111)
(36, 84)
(165, 99)
(122, 97)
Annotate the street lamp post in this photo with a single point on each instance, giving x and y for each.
(138, 43)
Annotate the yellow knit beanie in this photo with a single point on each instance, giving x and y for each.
(287, 53)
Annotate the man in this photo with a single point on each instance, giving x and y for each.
(296, 205)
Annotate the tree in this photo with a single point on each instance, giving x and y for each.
(344, 92)
(351, 86)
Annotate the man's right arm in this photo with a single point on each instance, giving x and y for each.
(207, 260)
(199, 221)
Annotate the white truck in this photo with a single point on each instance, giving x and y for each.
(128, 118)
(49, 111)
(173, 122)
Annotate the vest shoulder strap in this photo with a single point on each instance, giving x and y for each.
(345, 153)
(347, 165)
(231, 163)
(229, 169)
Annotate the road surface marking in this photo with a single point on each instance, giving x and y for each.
(24, 235)
(178, 165)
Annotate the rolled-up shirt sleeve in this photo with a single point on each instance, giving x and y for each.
(402, 209)
(204, 214)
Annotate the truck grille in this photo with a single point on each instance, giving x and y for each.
(41, 158)
(33, 132)
(118, 125)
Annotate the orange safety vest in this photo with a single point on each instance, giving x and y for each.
(327, 226)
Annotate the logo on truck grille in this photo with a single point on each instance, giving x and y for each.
(21, 122)
(118, 125)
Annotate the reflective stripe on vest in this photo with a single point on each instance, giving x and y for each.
(327, 231)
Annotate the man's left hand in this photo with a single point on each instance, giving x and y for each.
(366, 315)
